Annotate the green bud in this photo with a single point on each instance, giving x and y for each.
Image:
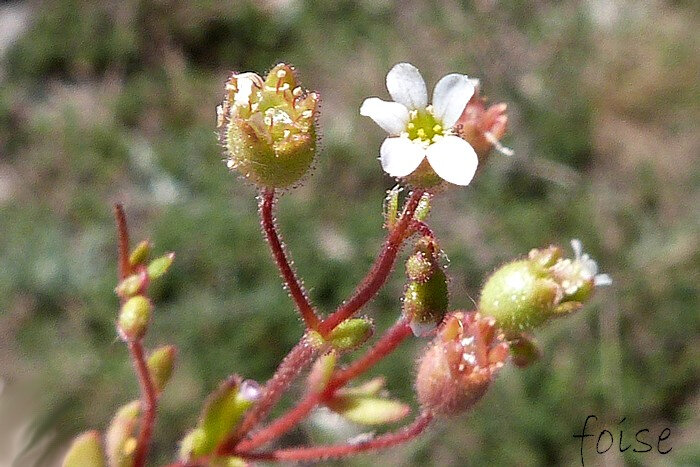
(140, 254)
(420, 267)
(134, 317)
(131, 285)
(222, 412)
(268, 127)
(160, 365)
(351, 333)
(120, 441)
(520, 296)
(425, 303)
(86, 451)
(159, 266)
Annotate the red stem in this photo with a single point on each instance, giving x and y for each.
(380, 270)
(297, 359)
(318, 453)
(293, 285)
(422, 228)
(149, 402)
(149, 396)
(389, 341)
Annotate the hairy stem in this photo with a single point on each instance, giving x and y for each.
(380, 270)
(297, 359)
(149, 396)
(388, 343)
(296, 291)
(422, 228)
(334, 451)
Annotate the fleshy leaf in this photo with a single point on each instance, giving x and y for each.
(369, 410)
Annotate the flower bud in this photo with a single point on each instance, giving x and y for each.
(134, 317)
(160, 365)
(86, 451)
(120, 441)
(139, 255)
(526, 293)
(460, 363)
(159, 266)
(483, 127)
(268, 127)
(321, 371)
(222, 412)
(426, 296)
(132, 285)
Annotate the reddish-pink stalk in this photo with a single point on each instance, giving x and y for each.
(267, 204)
(149, 396)
(295, 361)
(334, 451)
(380, 270)
(422, 228)
(388, 343)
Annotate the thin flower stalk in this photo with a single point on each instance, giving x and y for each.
(294, 287)
(149, 395)
(380, 270)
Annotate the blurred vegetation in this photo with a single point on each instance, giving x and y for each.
(114, 101)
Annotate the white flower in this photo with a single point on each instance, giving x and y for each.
(574, 274)
(418, 130)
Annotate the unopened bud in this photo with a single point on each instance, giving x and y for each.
(483, 127)
(86, 451)
(134, 317)
(426, 296)
(120, 441)
(321, 372)
(460, 364)
(139, 255)
(268, 127)
(160, 365)
(351, 333)
(221, 414)
(159, 266)
(132, 285)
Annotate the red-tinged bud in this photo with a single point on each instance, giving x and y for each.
(483, 126)
(460, 364)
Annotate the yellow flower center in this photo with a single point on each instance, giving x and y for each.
(424, 127)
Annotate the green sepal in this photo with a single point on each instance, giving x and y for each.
(391, 207)
(423, 209)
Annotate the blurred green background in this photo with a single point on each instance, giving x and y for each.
(115, 101)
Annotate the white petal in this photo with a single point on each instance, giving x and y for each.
(391, 116)
(602, 279)
(453, 159)
(400, 156)
(406, 86)
(450, 97)
(577, 246)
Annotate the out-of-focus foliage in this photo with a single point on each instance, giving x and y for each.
(114, 101)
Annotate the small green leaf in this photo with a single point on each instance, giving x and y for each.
(159, 266)
(86, 451)
(369, 410)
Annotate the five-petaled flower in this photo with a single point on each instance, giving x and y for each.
(420, 132)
